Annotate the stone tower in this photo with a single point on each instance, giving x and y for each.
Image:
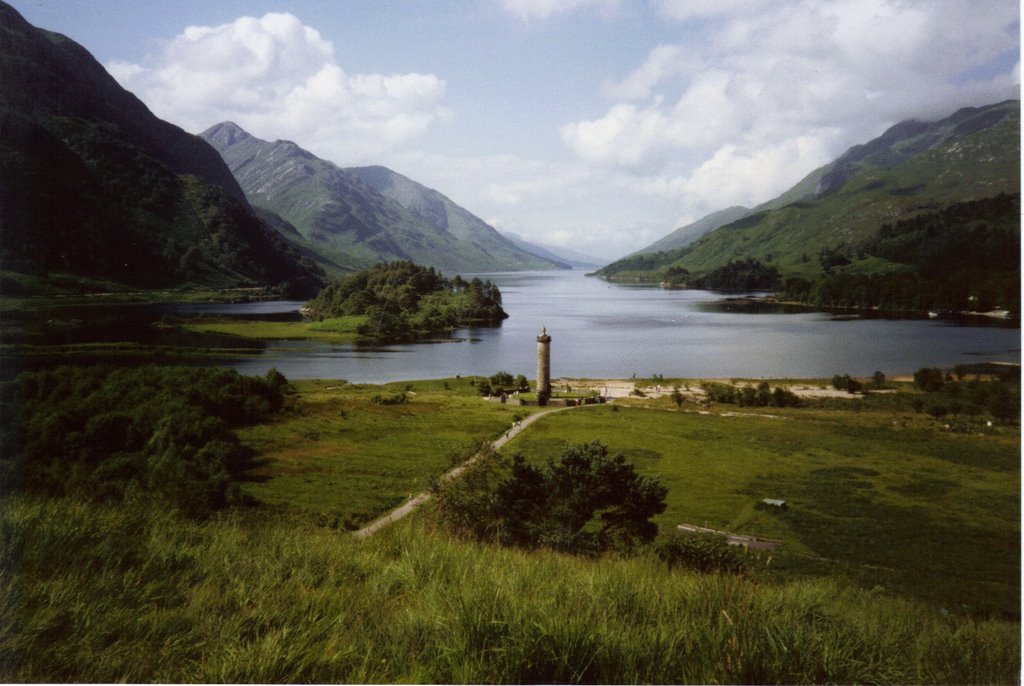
(544, 362)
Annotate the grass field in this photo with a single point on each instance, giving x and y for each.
(889, 501)
(900, 560)
(107, 594)
(340, 454)
(339, 330)
(876, 493)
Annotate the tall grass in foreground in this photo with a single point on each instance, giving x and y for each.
(98, 593)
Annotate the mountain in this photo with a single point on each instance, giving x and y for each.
(98, 191)
(571, 258)
(685, 235)
(361, 216)
(439, 212)
(914, 168)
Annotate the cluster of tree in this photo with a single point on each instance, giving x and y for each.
(102, 432)
(586, 502)
(708, 554)
(949, 396)
(846, 383)
(644, 262)
(748, 396)
(503, 381)
(403, 299)
(740, 275)
(965, 257)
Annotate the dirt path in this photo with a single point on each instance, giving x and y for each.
(413, 503)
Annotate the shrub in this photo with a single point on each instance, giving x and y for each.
(929, 379)
(701, 553)
(846, 383)
(586, 502)
(102, 432)
(502, 380)
(393, 399)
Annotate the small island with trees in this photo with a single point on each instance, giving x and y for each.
(404, 301)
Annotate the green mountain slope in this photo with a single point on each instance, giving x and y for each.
(442, 214)
(95, 187)
(685, 235)
(347, 219)
(912, 169)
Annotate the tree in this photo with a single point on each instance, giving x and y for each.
(845, 383)
(677, 397)
(586, 502)
(929, 379)
(501, 380)
(879, 379)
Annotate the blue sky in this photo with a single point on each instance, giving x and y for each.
(599, 125)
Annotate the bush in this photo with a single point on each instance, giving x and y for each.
(929, 379)
(701, 553)
(393, 399)
(846, 383)
(502, 380)
(586, 502)
(749, 396)
(103, 432)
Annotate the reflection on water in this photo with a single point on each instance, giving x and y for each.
(598, 330)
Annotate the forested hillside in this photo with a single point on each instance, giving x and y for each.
(965, 257)
(98, 192)
(913, 169)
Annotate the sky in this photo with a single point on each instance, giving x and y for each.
(596, 125)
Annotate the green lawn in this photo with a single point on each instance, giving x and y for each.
(339, 330)
(901, 551)
(906, 508)
(875, 492)
(107, 593)
(338, 452)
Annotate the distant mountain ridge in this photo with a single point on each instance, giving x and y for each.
(364, 215)
(572, 258)
(98, 190)
(912, 168)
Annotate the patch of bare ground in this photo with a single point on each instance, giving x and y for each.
(626, 388)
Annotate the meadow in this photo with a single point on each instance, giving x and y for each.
(139, 594)
(346, 453)
(900, 560)
(336, 330)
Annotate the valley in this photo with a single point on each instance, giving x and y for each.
(274, 412)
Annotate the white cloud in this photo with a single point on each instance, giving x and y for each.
(527, 10)
(683, 10)
(277, 78)
(761, 91)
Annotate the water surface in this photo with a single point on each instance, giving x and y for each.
(606, 330)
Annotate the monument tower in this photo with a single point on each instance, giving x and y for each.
(544, 363)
